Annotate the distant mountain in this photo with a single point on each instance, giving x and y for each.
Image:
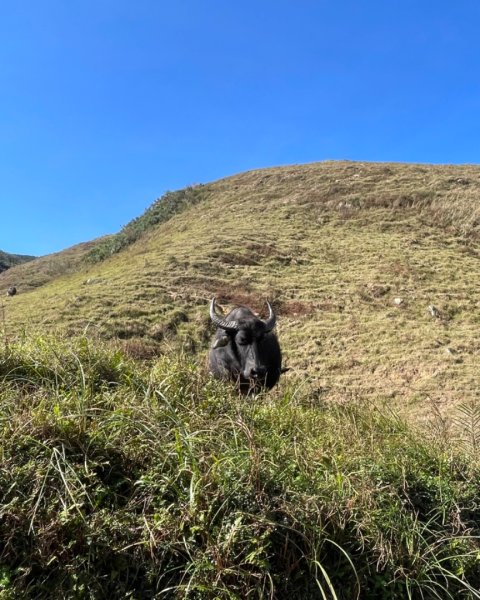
(32, 274)
(10, 260)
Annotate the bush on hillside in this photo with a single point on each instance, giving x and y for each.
(160, 211)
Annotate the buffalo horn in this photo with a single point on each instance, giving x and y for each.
(219, 322)
(272, 319)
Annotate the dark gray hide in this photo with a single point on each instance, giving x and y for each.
(11, 291)
(245, 349)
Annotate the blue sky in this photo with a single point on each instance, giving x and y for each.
(106, 104)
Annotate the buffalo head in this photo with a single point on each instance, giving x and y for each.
(245, 349)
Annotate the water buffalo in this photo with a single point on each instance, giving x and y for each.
(12, 290)
(245, 349)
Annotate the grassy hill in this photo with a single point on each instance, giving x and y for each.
(122, 477)
(352, 255)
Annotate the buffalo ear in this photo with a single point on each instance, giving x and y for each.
(284, 369)
(221, 342)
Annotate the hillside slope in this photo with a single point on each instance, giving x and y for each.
(373, 269)
(40, 271)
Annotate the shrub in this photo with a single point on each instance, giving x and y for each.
(160, 211)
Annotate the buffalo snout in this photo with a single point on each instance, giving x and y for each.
(257, 372)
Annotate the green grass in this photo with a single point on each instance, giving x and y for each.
(141, 480)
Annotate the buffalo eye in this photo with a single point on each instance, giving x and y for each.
(260, 337)
(243, 340)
